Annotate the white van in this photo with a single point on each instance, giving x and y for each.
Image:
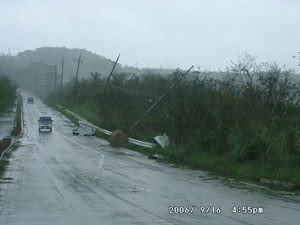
(45, 123)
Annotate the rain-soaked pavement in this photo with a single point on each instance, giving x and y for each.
(57, 178)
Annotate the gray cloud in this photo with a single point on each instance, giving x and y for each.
(169, 33)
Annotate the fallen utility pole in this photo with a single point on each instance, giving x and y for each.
(61, 80)
(112, 70)
(160, 99)
(76, 78)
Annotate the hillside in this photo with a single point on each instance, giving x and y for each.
(91, 61)
(51, 55)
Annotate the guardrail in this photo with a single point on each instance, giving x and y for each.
(131, 140)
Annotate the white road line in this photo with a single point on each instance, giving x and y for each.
(101, 162)
(100, 169)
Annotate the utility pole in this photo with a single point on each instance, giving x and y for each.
(55, 77)
(76, 78)
(112, 70)
(160, 99)
(108, 78)
(61, 80)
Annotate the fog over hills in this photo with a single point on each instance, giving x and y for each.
(29, 65)
(91, 62)
(49, 55)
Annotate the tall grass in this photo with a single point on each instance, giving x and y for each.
(8, 94)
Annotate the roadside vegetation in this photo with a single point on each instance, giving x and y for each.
(8, 96)
(4, 144)
(245, 123)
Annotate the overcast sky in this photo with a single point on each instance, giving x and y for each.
(153, 33)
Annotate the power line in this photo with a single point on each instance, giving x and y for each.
(134, 92)
(165, 64)
(141, 93)
(123, 89)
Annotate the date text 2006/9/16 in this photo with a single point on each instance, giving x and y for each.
(191, 209)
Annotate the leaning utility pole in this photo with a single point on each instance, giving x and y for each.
(112, 70)
(76, 78)
(107, 81)
(61, 80)
(55, 77)
(160, 99)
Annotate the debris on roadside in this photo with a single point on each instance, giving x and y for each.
(156, 156)
(84, 129)
(164, 140)
(118, 138)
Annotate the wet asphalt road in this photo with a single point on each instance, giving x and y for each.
(60, 179)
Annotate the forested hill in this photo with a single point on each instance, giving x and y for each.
(91, 62)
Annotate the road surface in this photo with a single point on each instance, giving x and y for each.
(57, 178)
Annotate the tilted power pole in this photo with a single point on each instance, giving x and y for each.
(61, 80)
(108, 78)
(55, 77)
(160, 99)
(76, 78)
(112, 70)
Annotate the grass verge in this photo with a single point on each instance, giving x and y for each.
(141, 149)
(65, 113)
(101, 135)
(225, 165)
(4, 163)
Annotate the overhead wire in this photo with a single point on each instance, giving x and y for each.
(139, 93)
(124, 89)
(159, 64)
